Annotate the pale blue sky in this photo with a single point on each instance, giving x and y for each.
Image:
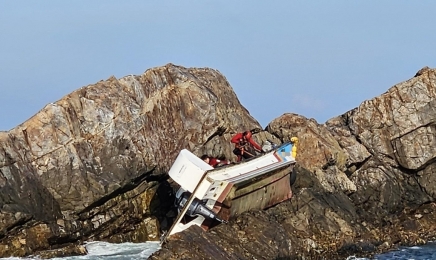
(318, 59)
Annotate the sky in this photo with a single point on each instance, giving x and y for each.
(318, 59)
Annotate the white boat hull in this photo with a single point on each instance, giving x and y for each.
(228, 191)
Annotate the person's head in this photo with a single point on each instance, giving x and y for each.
(205, 158)
(247, 134)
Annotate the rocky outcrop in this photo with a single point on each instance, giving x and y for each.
(381, 154)
(365, 184)
(93, 166)
(89, 166)
(312, 225)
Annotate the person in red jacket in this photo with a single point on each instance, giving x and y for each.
(214, 162)
(245, 146)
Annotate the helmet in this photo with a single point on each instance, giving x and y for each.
(247, 134)
(294, 139)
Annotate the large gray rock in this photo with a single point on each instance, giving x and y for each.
(396, 132)
(93, 165)
(91, 161)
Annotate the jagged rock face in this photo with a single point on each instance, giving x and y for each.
(76, 158)
(397, 132)
(381, 152)
(317, 150)
(398, 126)
(89, 167)
(365, 183)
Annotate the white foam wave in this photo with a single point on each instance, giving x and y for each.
(352, 257)
(109, 251)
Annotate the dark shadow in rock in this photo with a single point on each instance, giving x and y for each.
(165, 211)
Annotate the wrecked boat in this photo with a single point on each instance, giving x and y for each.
(210, 195)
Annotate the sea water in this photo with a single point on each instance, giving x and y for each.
(424, 252)
(109, 251)
(136, 251)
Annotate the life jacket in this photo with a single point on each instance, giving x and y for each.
(243, 142)
(214, 162)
